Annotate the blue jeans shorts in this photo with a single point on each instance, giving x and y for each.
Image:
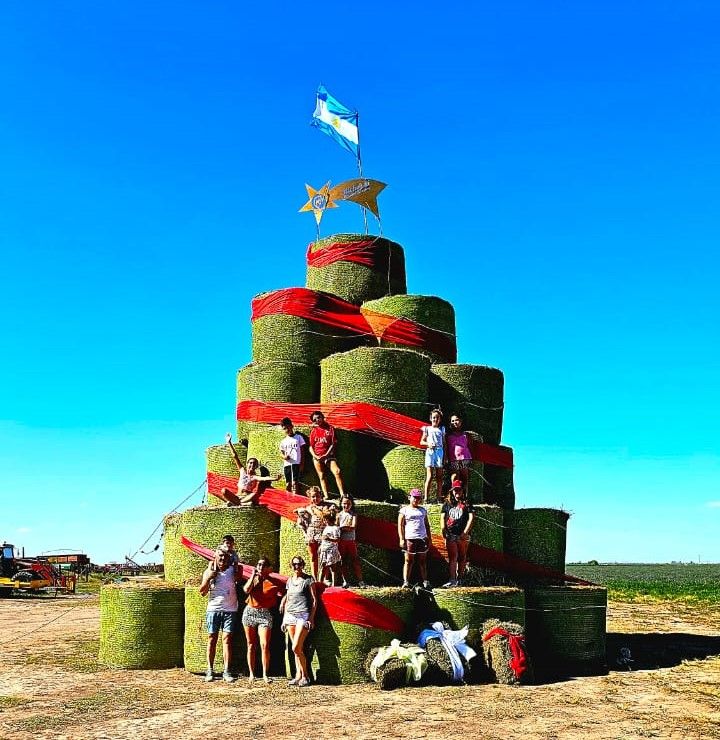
(217, 621)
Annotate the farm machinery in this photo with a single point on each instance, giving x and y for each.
(30, 575)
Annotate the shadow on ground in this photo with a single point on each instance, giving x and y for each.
(652, 650)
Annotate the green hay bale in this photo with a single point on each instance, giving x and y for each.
(358, 283)
(428, 310)
(498, 487)
(472, 606)
(497, 654)
(337, 650)
(280, 381)
(141, 625)
(538, 536)
(475, 392)
(285, 338)
(264, 444)
(394, 379)
(392, 674)
(255, 529)
(173, 550)
(380, 567)
(196, 637)
(566, 629)
(440, 670)
(372, 480)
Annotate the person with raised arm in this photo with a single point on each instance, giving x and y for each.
(251, 483)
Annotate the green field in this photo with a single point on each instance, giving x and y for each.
(638, 581)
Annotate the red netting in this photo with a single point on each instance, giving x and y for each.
(362, 252)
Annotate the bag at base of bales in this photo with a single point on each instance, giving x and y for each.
(396, 665)
(448, 654)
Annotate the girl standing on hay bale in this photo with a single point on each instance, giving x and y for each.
(298, 608)
(433, 439)
(456, 521)
(322, 448)
(250, 484)
(459, 455)
(347, 521)
(330, 560)
(310, 520)
(262, 595)
(414, 534)
(292, 451)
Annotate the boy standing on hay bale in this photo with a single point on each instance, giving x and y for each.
(250, 484)
(414, 534)
(292, 451)
(219, 581)
(322, 449)
(456, 520)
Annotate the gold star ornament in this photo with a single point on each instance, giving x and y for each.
(318, 201)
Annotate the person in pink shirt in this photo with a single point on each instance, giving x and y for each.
(459, 455)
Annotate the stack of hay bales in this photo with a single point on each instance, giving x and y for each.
(141, 624)
(358, 283)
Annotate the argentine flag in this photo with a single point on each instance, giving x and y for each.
(337, 121)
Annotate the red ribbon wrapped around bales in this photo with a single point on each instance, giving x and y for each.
(518, 661)
(333, 311)
(339, 604)
(362, 252)
(368, 419)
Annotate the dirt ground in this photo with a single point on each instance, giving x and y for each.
(52, 686)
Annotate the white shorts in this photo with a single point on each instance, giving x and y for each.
(294, 620)
(434, 457)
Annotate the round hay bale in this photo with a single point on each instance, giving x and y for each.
(380, 567)
(280, 381)
(255, 529)
(566, 629)
(394, 379)
(475, 392)
(337, 650)
(173, 550)
(472, 606)
(498, 487)
(196, 636)
(372, 480)
(264, 444)
(141, 625)
(392, 674)
(285, 338)
(427, 310)
(498, 655)
(358, 283)
(538, 536)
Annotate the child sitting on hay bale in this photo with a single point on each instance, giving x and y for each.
(505, 653)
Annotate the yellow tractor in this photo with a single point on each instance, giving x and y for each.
(26, 574)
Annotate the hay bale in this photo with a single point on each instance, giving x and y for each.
(141, 625)
(394, 379)
(196, 636)
(405, 467)
(173, 550)
(264, 444)
(498, 487)
(498, 655)
(566, 629)
(285, 338)
(427, 310)
(475, 392)
(472, 606)
(538, 536)
(372, 480)
(380, 567)
(440, 671)
(255, 529)
(279, 381)
(337, 650)
(358, 283)
(392, 674)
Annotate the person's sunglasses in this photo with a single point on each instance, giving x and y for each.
(297, 564)
(263, 564)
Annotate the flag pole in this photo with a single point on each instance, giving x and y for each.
(359, 164)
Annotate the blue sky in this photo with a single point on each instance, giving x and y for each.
(553, 170)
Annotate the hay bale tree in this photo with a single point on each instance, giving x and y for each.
(566, 629)
(141, 625)
(427, 310)
(394, 379)
(285, 338)
(357, 283)
(538, 536)
(337, 650)
(475, 392)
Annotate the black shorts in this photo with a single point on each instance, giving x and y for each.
(292, 473)
(416, 547)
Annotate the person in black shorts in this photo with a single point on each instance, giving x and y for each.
(414, 535)
(456, 521)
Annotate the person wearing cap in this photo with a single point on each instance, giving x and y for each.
(414, 534)
(456, 521)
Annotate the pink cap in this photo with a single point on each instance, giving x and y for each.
(416, 493)
(457, 484)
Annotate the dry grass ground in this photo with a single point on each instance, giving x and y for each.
(52, 687)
